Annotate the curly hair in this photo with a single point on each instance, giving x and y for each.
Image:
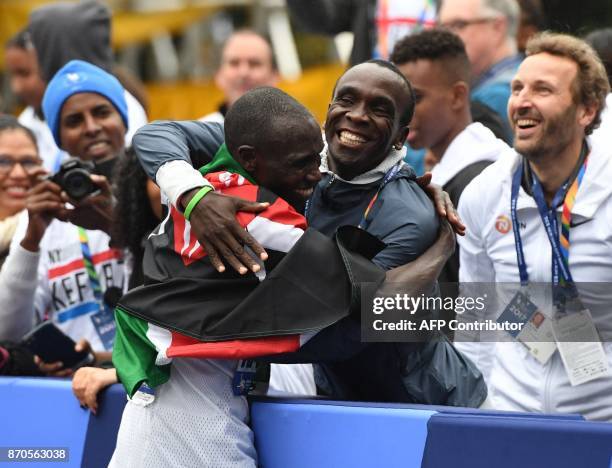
(438, 45)
(590, 87)
(134, 218)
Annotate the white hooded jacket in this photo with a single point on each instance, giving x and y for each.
(515, 379)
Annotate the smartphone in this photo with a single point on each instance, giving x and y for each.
(52, 345)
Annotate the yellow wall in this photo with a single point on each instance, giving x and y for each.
(191, 100)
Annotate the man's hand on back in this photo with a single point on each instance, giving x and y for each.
(213, 221)
(444, 205)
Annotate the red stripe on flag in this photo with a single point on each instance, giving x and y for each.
(178, 222)
(184, 346)
(78, 264)
(246, 192)
(282, 212)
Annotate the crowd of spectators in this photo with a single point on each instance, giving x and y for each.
(188, 260)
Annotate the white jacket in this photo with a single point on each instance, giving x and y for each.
(54, 282)
(516, 380)
(474, 144)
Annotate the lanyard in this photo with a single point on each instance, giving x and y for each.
(94, 280)
(559, 243)
(388, 178)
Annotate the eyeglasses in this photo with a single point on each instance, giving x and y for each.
(460, 25)
(28, 164)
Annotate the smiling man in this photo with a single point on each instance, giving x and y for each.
(364, 183)
(554, 193)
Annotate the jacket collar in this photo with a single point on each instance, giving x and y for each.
(474, 144)
(393, 157)
(593, 192)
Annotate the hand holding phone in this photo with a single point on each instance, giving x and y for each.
(56, 352)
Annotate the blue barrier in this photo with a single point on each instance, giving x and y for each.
(320, 433)
(44, 413)
(306, 436)
(299, 433)
(477, 441)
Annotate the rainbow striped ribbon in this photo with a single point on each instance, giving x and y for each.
(89, 265)
(566, 215)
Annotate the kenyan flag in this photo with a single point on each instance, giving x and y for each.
(187, 309)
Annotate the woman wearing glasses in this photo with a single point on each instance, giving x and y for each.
(19, 162)
(19, 165)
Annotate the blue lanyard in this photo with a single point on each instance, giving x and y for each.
(549, 218)
(389, 176)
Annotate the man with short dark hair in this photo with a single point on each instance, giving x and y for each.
(183, 353)
(365, 183)
(436, 64)
(204, 418)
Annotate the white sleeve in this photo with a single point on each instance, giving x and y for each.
(474, 262)
(18, 285)
(137, 117)
(176, 177)
(475, 267)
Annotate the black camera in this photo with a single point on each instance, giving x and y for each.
(74, 178)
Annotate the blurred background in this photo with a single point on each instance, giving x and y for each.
(173, 46)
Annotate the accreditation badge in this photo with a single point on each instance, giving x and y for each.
(104, 324)
(535, 329)
(580, 347)
(144, 396)
(244, 377)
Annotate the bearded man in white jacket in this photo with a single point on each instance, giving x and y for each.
(541, 214)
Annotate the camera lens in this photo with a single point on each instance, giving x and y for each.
(78, 184)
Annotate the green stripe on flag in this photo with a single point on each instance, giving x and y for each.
(134, 354)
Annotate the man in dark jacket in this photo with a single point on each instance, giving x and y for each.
(366, 184)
